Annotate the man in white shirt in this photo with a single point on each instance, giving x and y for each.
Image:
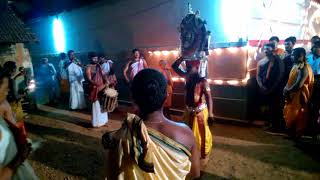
(106, 64)
(76, 79)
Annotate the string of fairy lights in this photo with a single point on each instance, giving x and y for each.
(217, 52)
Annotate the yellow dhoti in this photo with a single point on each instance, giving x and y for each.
(200, 128)
(144, 153)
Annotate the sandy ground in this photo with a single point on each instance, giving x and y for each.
(71, 149)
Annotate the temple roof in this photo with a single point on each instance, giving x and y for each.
(13, 30)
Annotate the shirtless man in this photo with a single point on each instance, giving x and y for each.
(96, 79)
(169, 149)
(134, 66)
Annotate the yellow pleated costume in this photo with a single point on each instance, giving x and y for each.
(197, 119)
(201, 130)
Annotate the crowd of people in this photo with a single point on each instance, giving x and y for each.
(186, 148)
(149, 144)
(289, 85)
(67, 84)
(159, 147)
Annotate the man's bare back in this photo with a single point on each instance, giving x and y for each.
(178, 132)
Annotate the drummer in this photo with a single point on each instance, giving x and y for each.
(97, 84)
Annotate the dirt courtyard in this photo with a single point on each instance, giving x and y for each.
(71, 149)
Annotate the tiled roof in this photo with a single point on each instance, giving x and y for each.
(13, 30)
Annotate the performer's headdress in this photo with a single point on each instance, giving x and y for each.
(193, 35)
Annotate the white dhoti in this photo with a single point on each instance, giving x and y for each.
(77, 100)
(98, 118)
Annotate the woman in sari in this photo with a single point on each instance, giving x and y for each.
(298, 92)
